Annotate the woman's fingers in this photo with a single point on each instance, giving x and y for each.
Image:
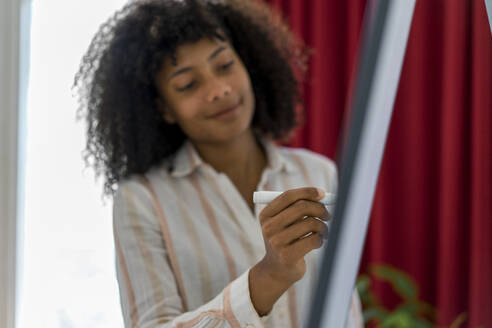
(297, 250)
(292, 226)
(295, 212)
(298, 230)
(289, 197)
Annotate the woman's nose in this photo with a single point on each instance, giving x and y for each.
(218, 90)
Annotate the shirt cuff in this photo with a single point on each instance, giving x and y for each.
(239, 306)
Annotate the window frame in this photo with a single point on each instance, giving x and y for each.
(15, 16)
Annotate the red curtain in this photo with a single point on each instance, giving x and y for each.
(432, 213)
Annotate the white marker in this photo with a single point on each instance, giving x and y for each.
(265, 197)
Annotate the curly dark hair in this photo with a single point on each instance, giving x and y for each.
(115, 83)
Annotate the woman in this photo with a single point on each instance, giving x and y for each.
(184, 100)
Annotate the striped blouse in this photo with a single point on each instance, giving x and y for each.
(185, 241)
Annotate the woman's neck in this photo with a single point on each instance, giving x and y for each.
(241, 159)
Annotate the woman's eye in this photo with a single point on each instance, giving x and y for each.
(187, 87)
(226, 66)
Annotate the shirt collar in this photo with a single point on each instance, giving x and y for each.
(277, 159)
(187, 159)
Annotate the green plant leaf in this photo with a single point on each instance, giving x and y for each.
(367, 297)
(363, 288)
(363, 283)
(422, 323)
(401, 282)
(374, 313)
(412, 308)
(398, 319)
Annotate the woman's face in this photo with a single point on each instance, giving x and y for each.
(207, 92)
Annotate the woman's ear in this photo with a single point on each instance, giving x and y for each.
(166, 112)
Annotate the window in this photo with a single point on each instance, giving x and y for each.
(67, 277)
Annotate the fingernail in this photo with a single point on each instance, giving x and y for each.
(321, 193)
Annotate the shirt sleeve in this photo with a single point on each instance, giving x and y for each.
(148, 289)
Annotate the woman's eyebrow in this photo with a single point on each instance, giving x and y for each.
(216, 52)
(187, 68)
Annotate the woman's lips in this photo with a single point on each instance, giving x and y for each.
(227, 113)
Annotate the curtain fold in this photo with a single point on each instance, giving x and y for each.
(432, 212)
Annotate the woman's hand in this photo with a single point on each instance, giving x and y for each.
(285, 222)
(292, 227)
